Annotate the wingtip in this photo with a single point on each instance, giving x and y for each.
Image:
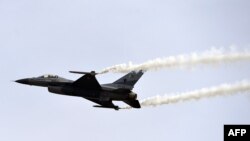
(80, 72)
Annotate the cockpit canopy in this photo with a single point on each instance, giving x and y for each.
(48, 76)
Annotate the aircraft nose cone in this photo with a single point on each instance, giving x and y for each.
(23, 81)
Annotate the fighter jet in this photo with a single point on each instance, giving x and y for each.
(88, 87)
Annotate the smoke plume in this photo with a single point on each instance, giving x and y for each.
(213, 56)
(224, 89)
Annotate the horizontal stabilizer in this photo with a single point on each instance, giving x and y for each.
(133, 103)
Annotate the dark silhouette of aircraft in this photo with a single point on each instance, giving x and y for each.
(88, 87)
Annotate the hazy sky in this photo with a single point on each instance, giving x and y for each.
(55, 36)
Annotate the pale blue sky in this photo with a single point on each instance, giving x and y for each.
(54, 36)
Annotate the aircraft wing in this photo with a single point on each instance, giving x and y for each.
(88, 81)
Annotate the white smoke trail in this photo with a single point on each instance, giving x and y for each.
(214, 56)
(224, 89)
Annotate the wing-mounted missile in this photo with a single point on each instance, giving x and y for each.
(80, 72)
(113, 107)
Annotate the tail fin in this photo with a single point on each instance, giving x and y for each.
(130, 79)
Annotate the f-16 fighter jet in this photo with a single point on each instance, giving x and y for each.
(88, 87)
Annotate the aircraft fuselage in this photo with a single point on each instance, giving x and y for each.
(88, 87)
(64, 87)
